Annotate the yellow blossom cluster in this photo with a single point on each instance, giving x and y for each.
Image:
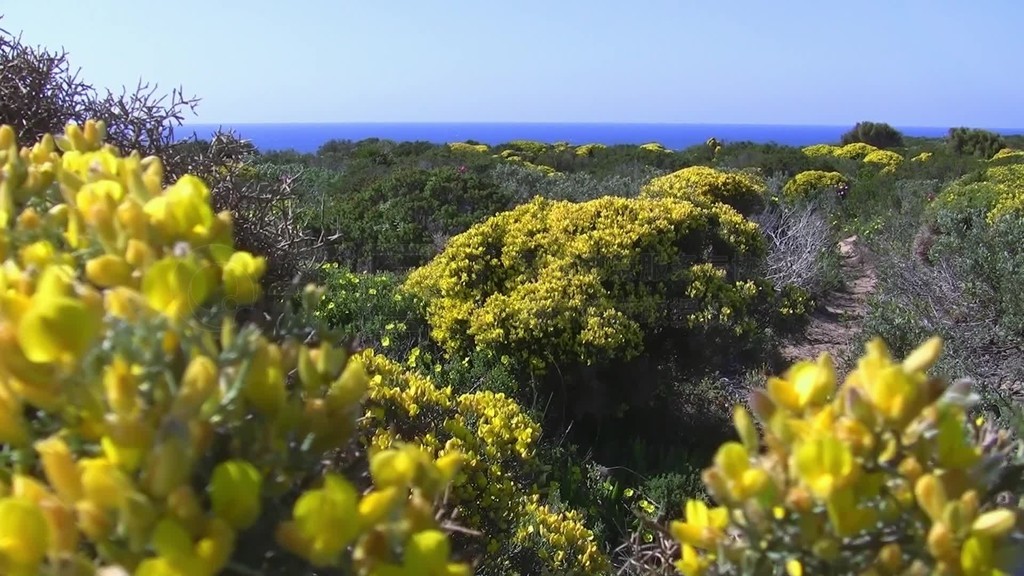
(588, 149)
(527, 149)
(464, 147)
(1008, 153)
(1000, 192)
(514, 157)
(654, 147)
(140, 426)
(498, 441)
(807, 183)
(700, 184)
(922, 157)
(553, 281)
(562, 540)
(887, 159)
(879, 475)
(854, 151)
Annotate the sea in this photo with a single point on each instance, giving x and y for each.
(307, 138)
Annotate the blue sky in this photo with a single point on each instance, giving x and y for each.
(907, 62)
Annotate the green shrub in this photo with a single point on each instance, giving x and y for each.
(877, 134)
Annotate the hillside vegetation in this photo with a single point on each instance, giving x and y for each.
(401, 358)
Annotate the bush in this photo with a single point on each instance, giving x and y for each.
(800, 246)
(700, 185)
(809, 183)
(888, 160)
(373, 309)
(583, 294)
(559, 282)
(877, 134)
(882, 473)
(401, 220)
(494, 491)
(974, 142)
(525, 183)
(129, 392)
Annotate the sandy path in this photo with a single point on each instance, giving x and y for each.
(834, 327)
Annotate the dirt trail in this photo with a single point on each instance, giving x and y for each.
(834, 327)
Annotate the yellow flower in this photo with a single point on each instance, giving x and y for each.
(60, 468)
(703, 526)
(889, 387)
(108, 270)
(265, 382)
(198, 384)
(825, 464)
(804, 384)
(183, 211)
(13, 428)
(175, 286)
(24, 535)
(393, 467)
(427, 552)
(56, 325)
(324, 522)
(742, 480)
(235, 492)
(241, 277)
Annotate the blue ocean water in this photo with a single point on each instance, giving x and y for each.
(309, 137)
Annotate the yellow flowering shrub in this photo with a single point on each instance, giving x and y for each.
(556, 281)
(922, 157)
(528, 150)
(1008, 153)
(561, 540)
(498, 441)
(853, 151)
(887, 159)
(140, 427)
(700, 184)
(588, 149)
(881, 474)
(654, 147)
(808, 182)
(464, 147)
(820, 150)
(999, 192)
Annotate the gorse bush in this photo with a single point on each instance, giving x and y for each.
(141, 427)
(887, 159)
(809, 183)
(882, 474)
(699, 184)
(495, 491)
(560, 282)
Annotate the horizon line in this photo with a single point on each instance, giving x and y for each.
(583, 123)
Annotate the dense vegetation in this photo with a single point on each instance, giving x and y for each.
(531, 358)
